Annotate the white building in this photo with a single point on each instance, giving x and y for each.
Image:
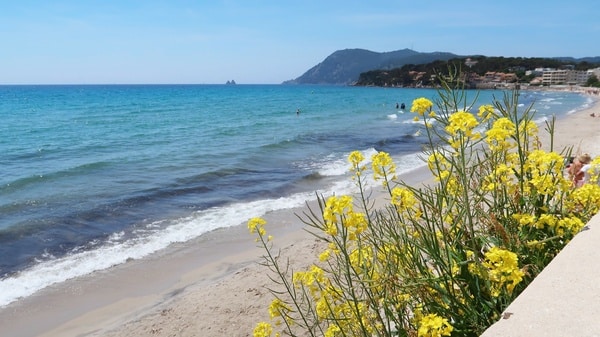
(564, 76)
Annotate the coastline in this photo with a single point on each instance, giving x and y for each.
(211, 286)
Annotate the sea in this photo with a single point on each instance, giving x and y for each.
(94, 175)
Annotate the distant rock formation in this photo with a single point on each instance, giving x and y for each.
(232, 82)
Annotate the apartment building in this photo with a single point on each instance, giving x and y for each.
(564, 76)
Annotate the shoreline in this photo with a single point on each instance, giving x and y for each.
(211, 277)
(210, 286)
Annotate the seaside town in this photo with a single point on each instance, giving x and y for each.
(567, 76)
(495, 73)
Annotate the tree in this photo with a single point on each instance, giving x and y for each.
(593, 82)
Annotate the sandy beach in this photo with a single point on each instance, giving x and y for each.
(212, 286)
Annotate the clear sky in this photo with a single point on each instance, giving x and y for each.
(268, 41)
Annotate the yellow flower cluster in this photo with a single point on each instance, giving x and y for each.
(383, 167)
(486, 112)
(499, 136)
(500, 177)
(502, 270)
(560, 226)
(594, 171)
(545, 171)
(257, 225)
(263, 329)
(356, 158)
(421, 106)
(432, 325)
(336, 208)
(339, 211)
(403, 198)
(464, 123)
(585, 199)
(314, 279)
(278, 308)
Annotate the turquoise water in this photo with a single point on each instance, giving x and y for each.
(121, 171)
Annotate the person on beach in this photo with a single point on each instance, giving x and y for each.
(577, 169)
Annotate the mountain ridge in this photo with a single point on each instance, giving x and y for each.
(343, 67)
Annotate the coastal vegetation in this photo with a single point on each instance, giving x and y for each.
(474, 68)
(440, 259)
(593, 82)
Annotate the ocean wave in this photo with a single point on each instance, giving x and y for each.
(48, 177)
(155, 236)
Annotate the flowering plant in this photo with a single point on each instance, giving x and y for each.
(444, 258)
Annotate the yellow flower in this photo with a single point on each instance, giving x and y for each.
(461, 122)
(570, 225)
(324, 256)
(486, 112)
(503, 269)
(421, 105)
(499, 177)
(278, 307)
(356, 223)
(256, 225)
(499, 136)
(524, 219)
(594, 171)
(262, 329)
(355, 158)
(433, 325)
(403, 199)
(548, 220)
(361, 258)
(383, 166)
(334, 207)
(586, 198)
(333, 330)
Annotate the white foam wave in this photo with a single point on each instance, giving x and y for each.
(155, 237)
(159, 235)
(339, 165)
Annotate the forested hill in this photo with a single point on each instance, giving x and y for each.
(410, 75)
(344, 67)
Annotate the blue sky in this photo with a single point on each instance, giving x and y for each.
(267, 41)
